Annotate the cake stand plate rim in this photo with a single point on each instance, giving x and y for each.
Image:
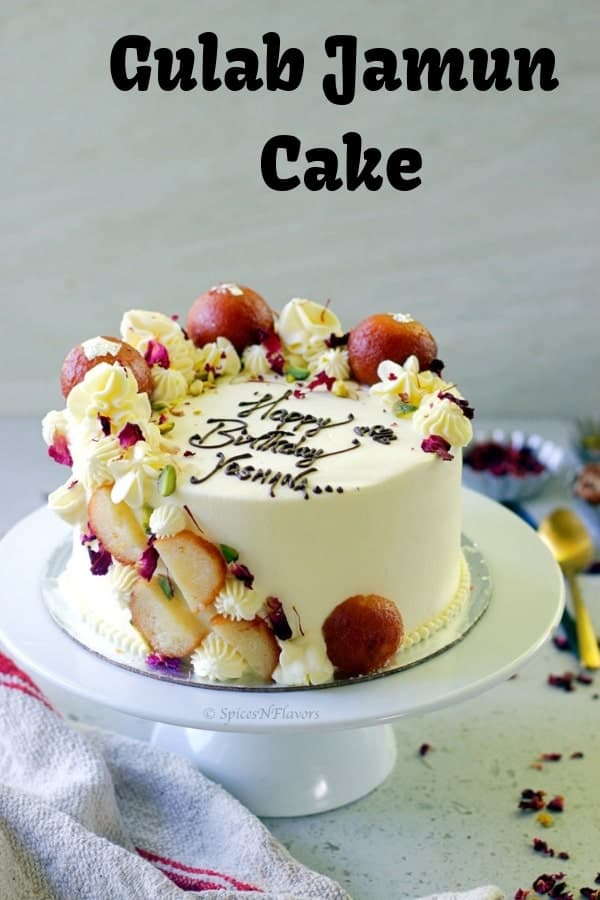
(526, 607)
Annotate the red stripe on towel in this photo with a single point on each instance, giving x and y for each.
(13, 677)
(163, 861)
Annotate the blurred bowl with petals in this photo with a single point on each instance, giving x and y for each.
(510, 466)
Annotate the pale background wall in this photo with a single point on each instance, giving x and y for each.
(112, 200)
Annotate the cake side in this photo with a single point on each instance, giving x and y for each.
(255, 511)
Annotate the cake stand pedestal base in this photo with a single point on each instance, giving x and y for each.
(288, 774)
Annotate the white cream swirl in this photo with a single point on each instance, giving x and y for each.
(136, 475)
(54, 422)
(237, 601)
(254, 360)
(333, 361)
(217, 358)
(91, 458)
(69, 501)
(110, 391)
(140, 326)
(444, 418)
(167, 520)
(122, 580)
(303, 660)
(169, 385)
(404, 383)
(218, 661)
(304, 326)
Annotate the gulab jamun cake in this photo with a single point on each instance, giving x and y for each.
(262, 495)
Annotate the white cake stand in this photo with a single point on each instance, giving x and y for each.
(295, 752)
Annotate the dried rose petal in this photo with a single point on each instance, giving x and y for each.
(157, 355)
(242, 573)
(88, 536)
(557, 804)
(584, 678)
(559, 892)
(424, 749)
(521, 894)
(273, 350)
(100, 560)
(468, 411)
(104, 424)
(544, 883)
(561, 642)
(59, 450)
(551, 757)
(319, 379)
(298, 394)
(564, 681)
(436, 444)
(147, 562)
(334, 341)
(160, 661)
(577, 754)
(130, 435)
(541, 846)
(563, 855)
(532, 800)
(278, 619)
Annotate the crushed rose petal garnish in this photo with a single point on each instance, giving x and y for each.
(564, 681)
(544, 883)
(129, 435)
(551, 757)
(333, 341)
(59, 450)
(147, 562)
(319, 379)
(557, 804)
(424, 749)
(160, 661)
(541, 846)
(577, 754)
(157, 355)
(242, 573)
(273, 350)
(100, 560)
(104, 424)
(88, 536)
(590, 893)
(532, 800)
(278, 619)
(521, 894)
(468, 411)
(436, 444)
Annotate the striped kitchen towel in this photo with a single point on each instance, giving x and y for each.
(88, 815)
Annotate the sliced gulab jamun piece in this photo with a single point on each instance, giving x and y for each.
(110, 350)
(231, 311)
(383, 336)
(363, 633)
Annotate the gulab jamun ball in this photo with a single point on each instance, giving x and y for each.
(231, 311)
(384, 336)
(362, 634)
(97, 350)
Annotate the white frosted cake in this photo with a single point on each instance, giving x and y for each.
(261, 495)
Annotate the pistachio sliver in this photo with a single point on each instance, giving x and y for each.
(167, 481)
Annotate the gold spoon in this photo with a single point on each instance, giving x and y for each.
(572, 546)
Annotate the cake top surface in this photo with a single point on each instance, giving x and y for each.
(253, 403)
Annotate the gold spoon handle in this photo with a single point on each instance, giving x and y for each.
(589, 653)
